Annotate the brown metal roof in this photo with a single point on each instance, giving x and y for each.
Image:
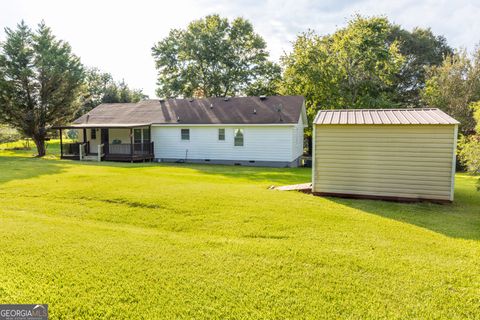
(384, 116)
(235, 110)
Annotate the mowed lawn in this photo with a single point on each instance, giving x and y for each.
(169, 241)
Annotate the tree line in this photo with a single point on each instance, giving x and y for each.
(369, 63)
(43, 84)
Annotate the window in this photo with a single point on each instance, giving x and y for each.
(137, 135)
(141, 135)
(185, 134)
(221, 134)
(146, 135)
(93, 134)
(238, 138)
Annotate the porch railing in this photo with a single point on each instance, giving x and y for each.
(100, 152)
(83, 150)
(144, 148)
(71, 149)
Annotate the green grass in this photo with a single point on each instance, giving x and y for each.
(133, 241)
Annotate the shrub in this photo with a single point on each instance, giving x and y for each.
(469, 153)
(8, 134)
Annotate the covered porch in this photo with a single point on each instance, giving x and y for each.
(107, 143)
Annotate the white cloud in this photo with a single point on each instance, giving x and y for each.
(117, 36)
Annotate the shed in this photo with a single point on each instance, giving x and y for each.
(390, 154)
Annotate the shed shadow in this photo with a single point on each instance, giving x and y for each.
(461, 219)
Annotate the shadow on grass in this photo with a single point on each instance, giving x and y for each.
(276, 176)
(460, 219)
(22, 164)
(19, 168)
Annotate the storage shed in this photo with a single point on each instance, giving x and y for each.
(391, 154)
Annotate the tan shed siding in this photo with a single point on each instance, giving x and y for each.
(412, 161)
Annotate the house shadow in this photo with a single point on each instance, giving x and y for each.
(269, 175)
(20, 168)
(460, 219)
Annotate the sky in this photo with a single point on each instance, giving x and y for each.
(116, 36)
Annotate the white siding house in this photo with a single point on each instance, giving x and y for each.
(280, 145)
(256, 131)
(263, 144)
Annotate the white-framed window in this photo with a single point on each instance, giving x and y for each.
(93, 133)
(185, 134)
(141, 135)
(221, 134)
(238, 137)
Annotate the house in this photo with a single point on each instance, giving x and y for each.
(258, 131)
(403, 154)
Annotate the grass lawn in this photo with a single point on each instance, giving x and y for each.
(133, 241)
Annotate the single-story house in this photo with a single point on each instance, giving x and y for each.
(402, 154)
(262, 131)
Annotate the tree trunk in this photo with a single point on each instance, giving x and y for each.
(40, 143)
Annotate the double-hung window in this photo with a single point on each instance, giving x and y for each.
(221, 134)
(185, 134)
(238, 137)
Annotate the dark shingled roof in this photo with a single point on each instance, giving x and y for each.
(235, 110)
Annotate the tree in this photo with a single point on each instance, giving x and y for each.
(353, 68)
(454, 86)
(101, 88)
(421, 50)
(40, 82)
(267, 82)
(308, 71)
(469, 146)
(213, 58)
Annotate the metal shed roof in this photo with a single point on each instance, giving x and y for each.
(384, 116)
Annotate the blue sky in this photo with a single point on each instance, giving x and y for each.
(116, 36)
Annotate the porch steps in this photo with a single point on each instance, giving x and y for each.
(90, 158)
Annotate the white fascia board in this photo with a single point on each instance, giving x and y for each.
(223, 125)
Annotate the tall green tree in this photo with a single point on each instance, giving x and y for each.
(213, 57)
(421, 49)
(355, 67)
(454, 87)
(310, 71)
(40, 82)
(100, 87)
(469, 146)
